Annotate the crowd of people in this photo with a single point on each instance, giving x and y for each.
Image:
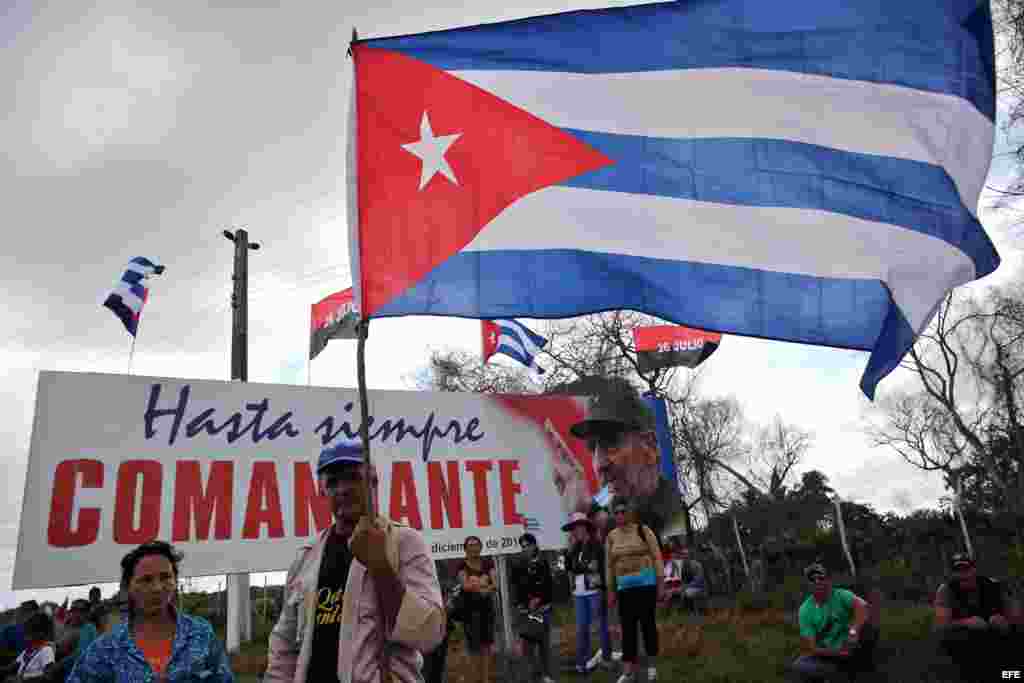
(364, 603)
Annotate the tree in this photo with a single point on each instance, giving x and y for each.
(1008, 21)
(455, 370)
(602, 345)
(709, 439)
(780, 448)
(964, 416)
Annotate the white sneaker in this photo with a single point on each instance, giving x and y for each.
(627, 678)
(547, 679)
(652, 673)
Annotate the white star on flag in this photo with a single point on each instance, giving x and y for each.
(431, 150)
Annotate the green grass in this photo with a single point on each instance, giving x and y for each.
(729, 646)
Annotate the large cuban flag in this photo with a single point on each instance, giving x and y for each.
(803, 171)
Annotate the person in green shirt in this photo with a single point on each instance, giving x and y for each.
(835, 635)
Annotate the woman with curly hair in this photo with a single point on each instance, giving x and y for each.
(155, 641)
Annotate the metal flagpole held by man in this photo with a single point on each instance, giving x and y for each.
(364, 411)
(239, 617)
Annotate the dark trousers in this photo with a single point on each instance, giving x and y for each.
(638, 608)
(812, 668)
(538, 653)
(434, 662)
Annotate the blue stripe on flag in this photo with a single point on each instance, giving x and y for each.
(514, 354)
(136, 289)
(121, 310)
(516, 329)
(761, 172)
(840, 312)
(517, 341)
(939, 46)
(143, 261)
(132, 277)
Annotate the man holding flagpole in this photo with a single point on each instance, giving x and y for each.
(363, 602)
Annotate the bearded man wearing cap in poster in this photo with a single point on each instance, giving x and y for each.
(619, 430)
(363, 602)
(585, 563)
(974, 619)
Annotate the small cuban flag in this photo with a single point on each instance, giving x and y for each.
(512, 339)
(130, 293)
(603, 497)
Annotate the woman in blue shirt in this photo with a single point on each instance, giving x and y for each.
(156, 642)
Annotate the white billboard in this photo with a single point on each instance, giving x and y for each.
(226, 471)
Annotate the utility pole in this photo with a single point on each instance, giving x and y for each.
(239, 616)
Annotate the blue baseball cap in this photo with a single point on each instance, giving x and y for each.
(346, 451)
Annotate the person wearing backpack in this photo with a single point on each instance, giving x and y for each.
(636, 580)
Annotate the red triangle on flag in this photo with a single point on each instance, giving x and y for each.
(501, 153)
(489, 332)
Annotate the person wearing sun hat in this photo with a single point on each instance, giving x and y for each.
(973, 616)
(585, 563)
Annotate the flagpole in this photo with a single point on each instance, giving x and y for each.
(131, 352)
(483, 341)
(364, 410)
(958, 505)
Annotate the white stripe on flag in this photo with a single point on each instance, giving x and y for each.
(525, 339)
(513, 343)
(854, 116)
(520, 341)
(128, 296)
(916, 267)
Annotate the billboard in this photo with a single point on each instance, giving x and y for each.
(226, 471)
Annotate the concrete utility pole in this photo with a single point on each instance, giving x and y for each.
(958, 502)
(239, 617)
(842, 534)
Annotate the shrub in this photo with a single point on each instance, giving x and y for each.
(1015, 561)
(747, 601)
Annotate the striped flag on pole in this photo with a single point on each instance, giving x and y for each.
(130, 293)
(801, 171)
(512, 339)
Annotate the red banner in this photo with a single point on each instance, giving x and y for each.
(334, 317)
(665, 346)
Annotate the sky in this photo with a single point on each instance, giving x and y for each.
(145, 129)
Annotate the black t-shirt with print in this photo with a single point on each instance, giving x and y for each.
(323, 665)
